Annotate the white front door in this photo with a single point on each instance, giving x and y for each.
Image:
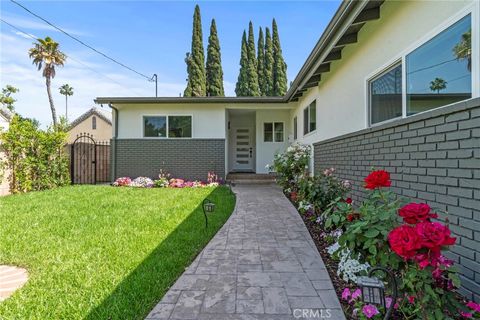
(243, 153)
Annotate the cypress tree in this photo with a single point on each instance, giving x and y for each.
(241, 89)
(268, 73)
(252, 75)
(279, 65)
(195, 60)
(214, 64)
(261, 63)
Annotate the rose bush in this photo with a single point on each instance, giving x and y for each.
(380, 231)
(404, 239)
(367, 227)
(291, 166)
(322, 190)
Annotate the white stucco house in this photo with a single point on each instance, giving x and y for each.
(368, 56)
(389, 84)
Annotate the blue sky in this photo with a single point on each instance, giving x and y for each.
(151, 37)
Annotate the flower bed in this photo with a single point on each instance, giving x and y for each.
(380, 231)
(165, 181)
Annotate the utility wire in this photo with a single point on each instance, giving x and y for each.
(83, 43)
(431, 66)
(70, 57)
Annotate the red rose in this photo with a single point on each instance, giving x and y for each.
(431, 258)
(377, 179)
(404, 241)
(434, 235)
(348, 200)
(414, 213)
(353, 216)
(293, 196)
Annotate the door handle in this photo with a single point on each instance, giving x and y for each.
(251, 152)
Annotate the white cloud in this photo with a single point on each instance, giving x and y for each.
(25, 35)
(27, 23)
(32, 101)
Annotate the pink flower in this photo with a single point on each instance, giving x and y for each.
(411, 299)
(346, 294)
(388, 302)
(445, 262)
(466, 314)
(357, 293)
(474, 306)
(370, 310)
(437, 273)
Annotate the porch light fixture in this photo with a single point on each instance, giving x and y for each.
(373, 290)
(208, 207)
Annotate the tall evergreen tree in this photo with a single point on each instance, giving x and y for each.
(261, 63)
(214, 64)
(195, 60)
(279, 65)
(241, 89)
(254, 90)
(268, 73)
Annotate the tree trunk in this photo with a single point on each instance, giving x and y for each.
(50, 99)
(66, 107)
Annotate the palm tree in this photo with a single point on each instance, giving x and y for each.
(67, 91)
(438, 84)
(463, 49)
(46, 54)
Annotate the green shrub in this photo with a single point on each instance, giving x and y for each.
(35, 158)
(367, 234)
(322, 190)
(292, 166)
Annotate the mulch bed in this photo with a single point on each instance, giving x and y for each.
(332, 266)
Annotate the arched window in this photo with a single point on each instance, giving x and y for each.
(94, 123)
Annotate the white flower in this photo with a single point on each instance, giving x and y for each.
(333, 248)
(304, 206)
(350, 267)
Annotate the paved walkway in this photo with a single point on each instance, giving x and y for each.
(262, 264)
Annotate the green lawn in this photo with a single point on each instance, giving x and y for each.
(98, 252)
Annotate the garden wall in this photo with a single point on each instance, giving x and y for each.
(189, 159)
(432, 157)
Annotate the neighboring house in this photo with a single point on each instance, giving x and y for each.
(368, 95)
(5, 116)
(96, 122)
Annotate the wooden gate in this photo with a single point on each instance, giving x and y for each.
(89, 160)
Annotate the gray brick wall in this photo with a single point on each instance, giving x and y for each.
(184, 158)
(432, 157)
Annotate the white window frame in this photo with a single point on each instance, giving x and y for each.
(369, 100)
(303, 116)
(273, 132)
(167, 125)
(474, 11)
